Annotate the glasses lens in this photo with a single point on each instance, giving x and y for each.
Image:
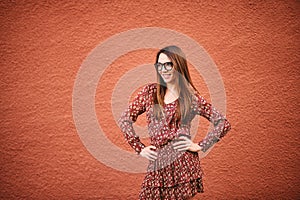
(158, 66)
(169, 66)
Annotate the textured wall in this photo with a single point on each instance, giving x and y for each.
(255, 45)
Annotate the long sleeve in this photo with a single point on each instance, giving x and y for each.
(220, 123)
(130, 115)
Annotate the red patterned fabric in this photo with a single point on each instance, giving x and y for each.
(173, 175)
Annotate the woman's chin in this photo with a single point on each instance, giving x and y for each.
(168, 80)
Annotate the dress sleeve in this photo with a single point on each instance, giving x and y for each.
(221, 124)
(130, 115)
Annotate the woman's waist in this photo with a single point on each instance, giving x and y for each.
(163, 142)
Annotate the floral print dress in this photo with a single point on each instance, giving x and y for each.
(173, 175)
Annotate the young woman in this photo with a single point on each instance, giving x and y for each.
(171, 104)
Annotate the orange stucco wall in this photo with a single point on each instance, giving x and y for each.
(255, 45)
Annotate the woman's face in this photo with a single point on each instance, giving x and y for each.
(168, 76)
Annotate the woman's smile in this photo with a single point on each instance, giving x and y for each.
(167, 76)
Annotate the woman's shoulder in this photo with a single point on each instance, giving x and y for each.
(198, 97)
(149, 88)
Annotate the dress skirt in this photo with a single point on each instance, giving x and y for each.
(173, 176)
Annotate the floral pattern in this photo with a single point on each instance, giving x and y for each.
(173, 175)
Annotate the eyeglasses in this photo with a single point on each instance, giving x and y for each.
(167, 65)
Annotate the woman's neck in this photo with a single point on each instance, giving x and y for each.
(172, 88)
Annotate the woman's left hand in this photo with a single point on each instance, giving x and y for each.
(185, 144)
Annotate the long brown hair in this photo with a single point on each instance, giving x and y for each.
(183, 82)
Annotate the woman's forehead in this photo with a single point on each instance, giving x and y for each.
(163, 58)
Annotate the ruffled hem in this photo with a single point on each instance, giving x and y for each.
(177, 192)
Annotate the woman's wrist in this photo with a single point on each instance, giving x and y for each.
(195, 147)
(199, 147)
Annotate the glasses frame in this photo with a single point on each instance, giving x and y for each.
(160, 66)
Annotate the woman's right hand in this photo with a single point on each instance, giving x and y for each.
(148, 153)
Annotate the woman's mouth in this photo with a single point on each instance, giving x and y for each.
(166, 76)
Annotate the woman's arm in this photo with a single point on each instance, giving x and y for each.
(130, 115)
(220, 123)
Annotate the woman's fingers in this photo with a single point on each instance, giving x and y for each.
(148, 153)
(183, 144)
(151, 156)
(181, 148)
(151, 148)
(180, 143)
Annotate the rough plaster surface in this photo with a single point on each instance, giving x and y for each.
(255, 45)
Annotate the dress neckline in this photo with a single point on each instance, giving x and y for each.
(172, 102)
